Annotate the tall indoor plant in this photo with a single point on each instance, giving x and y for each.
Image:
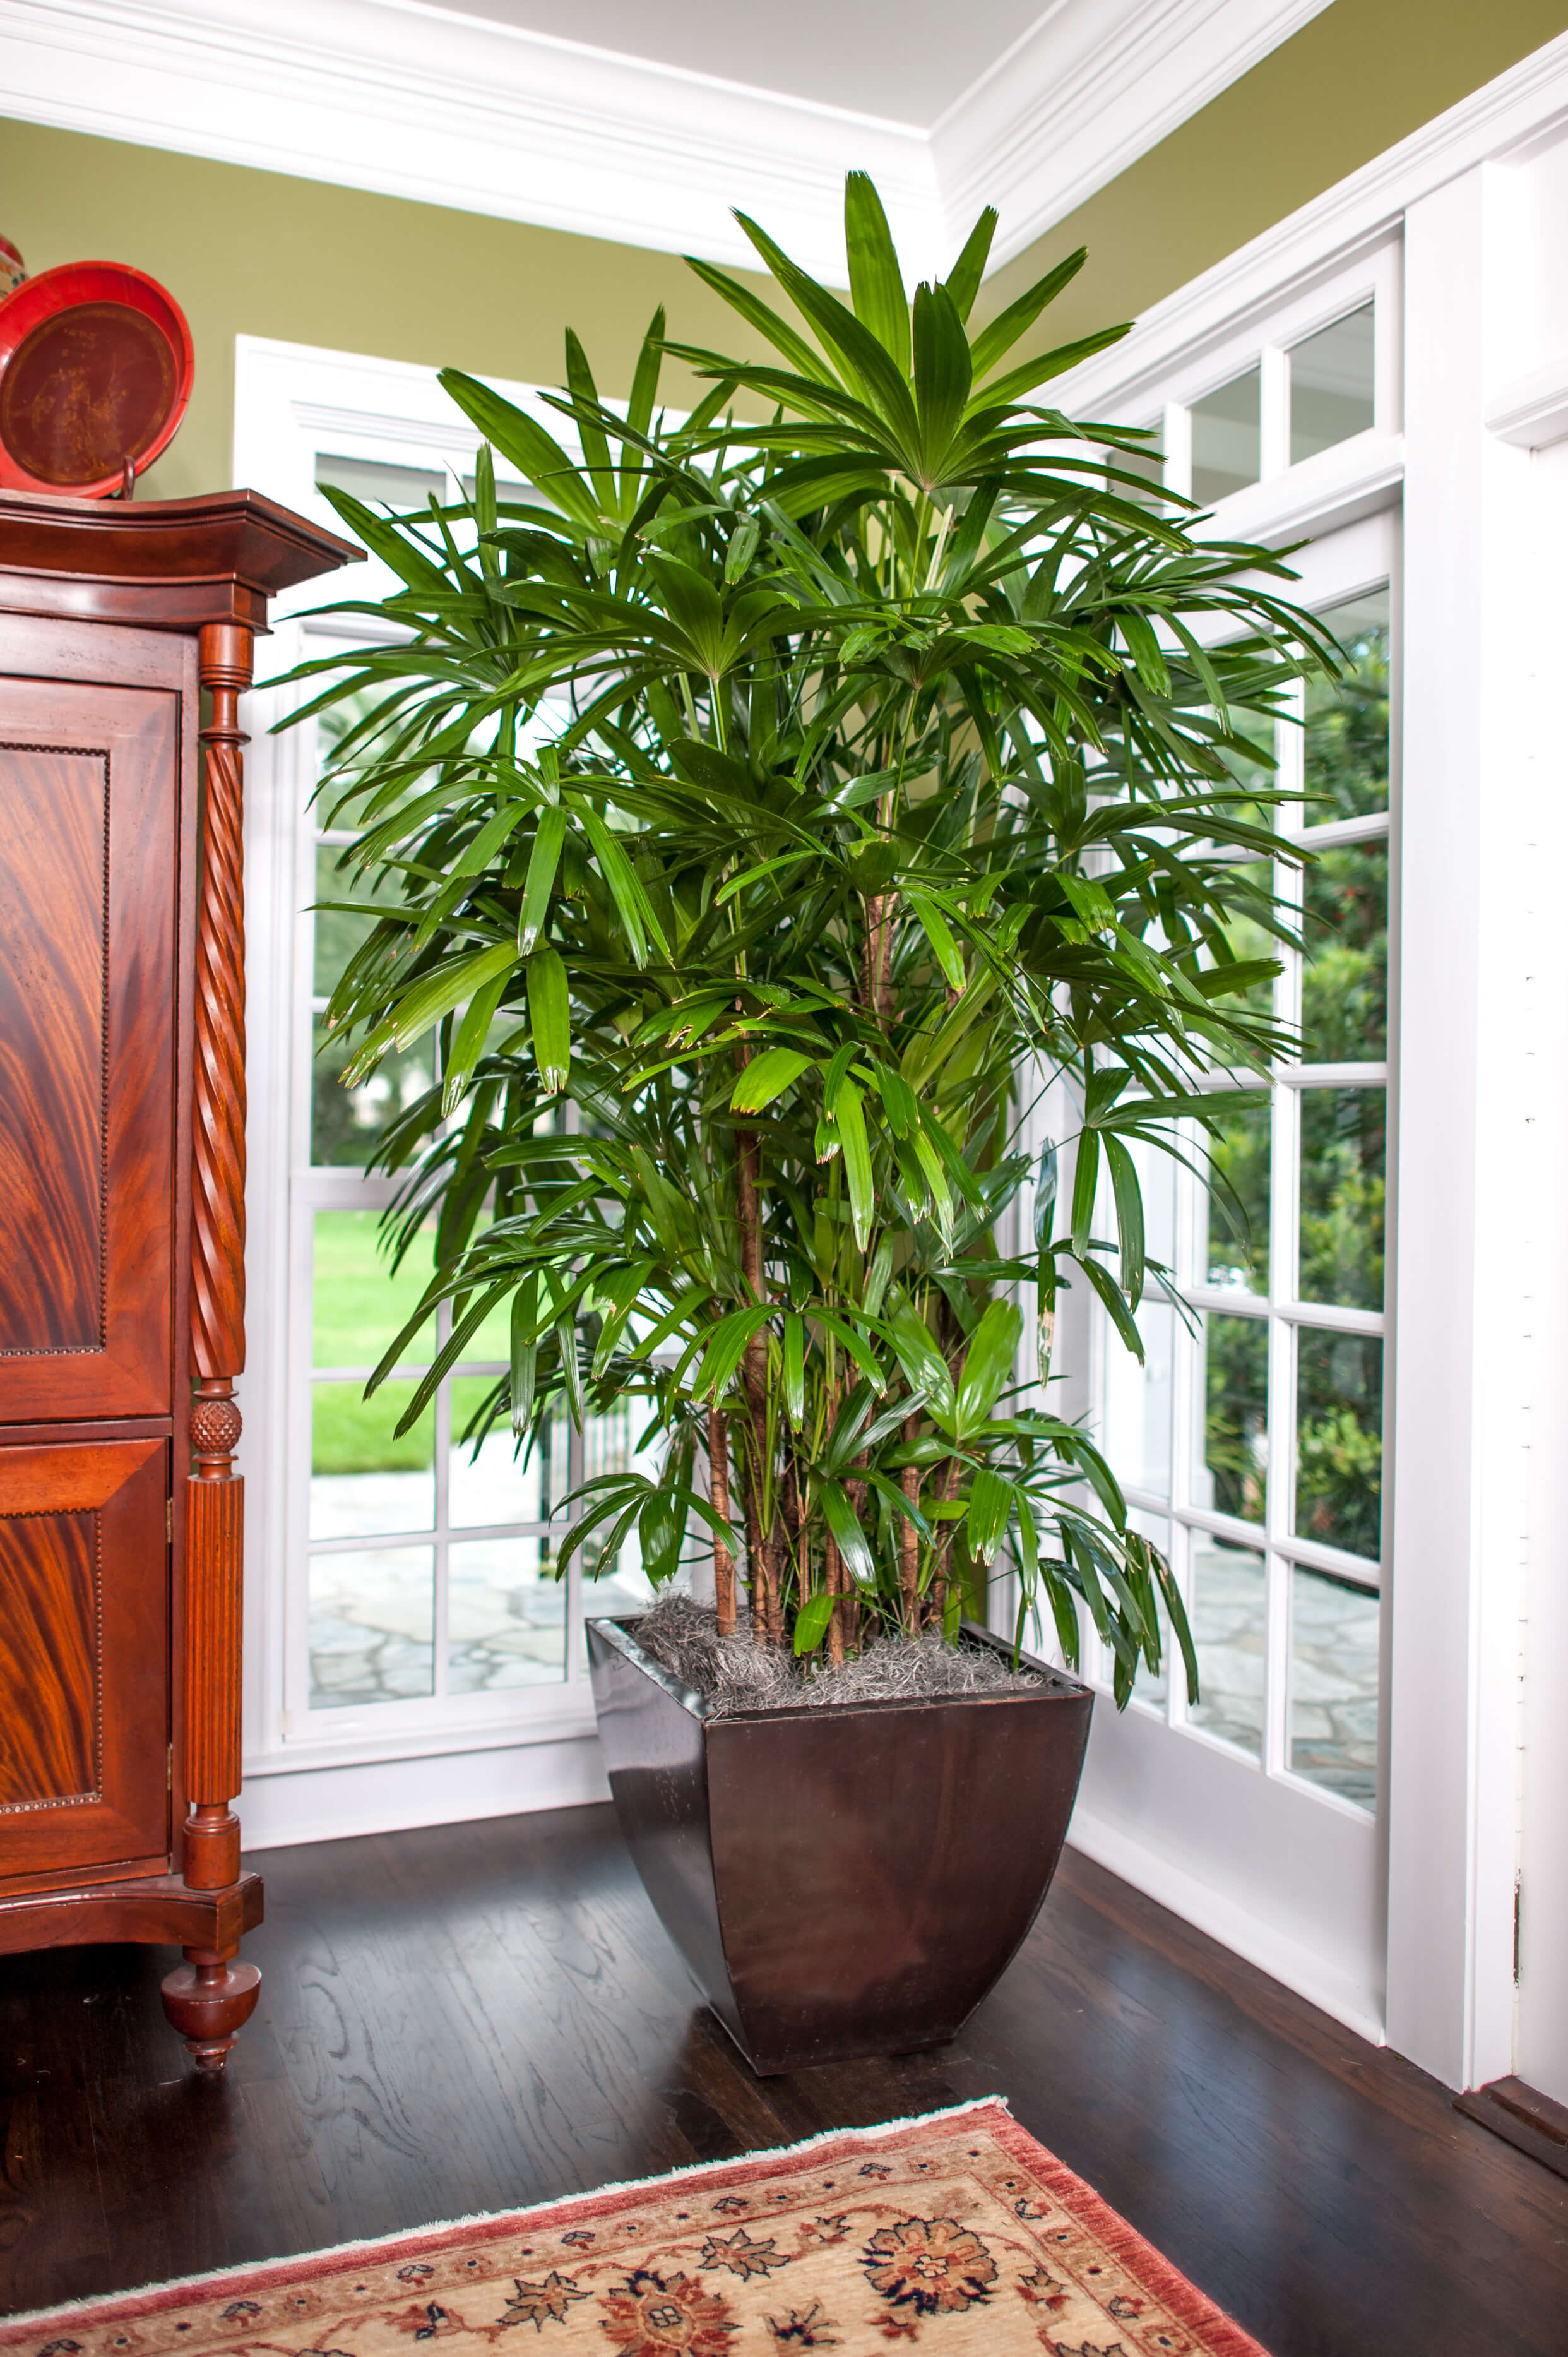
(764, 811)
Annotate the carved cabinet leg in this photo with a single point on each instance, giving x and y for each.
(209, 1999)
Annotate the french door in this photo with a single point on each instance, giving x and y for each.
(1250, 1443)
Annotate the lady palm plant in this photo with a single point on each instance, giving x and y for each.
(764, 815)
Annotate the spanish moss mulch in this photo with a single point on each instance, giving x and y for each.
(733, 1673)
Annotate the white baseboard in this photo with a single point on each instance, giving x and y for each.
(383, 1796)
(1206, 1910)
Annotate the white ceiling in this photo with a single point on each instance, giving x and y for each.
(905, 60)
(647, 121)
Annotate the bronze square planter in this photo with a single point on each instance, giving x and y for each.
(841, 1882)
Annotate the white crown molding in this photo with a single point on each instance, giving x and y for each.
(1500, 124)
(387, 96)
(408, 100)
(1084, 93)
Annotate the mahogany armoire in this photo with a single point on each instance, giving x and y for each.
(121, 1224)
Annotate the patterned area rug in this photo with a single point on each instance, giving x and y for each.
(957, 2235)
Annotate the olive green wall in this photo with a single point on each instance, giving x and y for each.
(1356, 80)
(266, 254)
(261, 253)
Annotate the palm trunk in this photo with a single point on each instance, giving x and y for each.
(954, 1349)
(833, 1579)
(910, 1539)
(718, 1490)
(794, 1542)
(765, 1612)
(858, 1493)
(945, 1494)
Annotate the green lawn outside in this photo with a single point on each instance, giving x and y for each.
(350, 1434)
(361, 1303)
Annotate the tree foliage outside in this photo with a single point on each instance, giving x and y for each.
(751, 806)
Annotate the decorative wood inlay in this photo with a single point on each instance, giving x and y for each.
(54, 1047)
(51, 1747)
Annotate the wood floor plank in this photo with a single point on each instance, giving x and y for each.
(476, 2017)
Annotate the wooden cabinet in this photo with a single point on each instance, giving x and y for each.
(88, 862)
(121, 1224)
(84, 1655)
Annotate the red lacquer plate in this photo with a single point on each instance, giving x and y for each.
(95, 369)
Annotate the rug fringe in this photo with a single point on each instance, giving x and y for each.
(104, 2303)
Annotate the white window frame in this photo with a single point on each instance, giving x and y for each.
(1343, 566)
(1302, 1887)
(1473, 207)
(293, 401)
(315, 1187)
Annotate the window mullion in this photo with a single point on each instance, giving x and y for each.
(1284, 1125)
(299, 1452)
(1284, 1134)
(576, 1473)
(1273, 407)
(1176, 437)
(1187, 1396)
(441, 1601)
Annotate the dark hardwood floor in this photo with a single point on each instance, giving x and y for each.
(478, 2017)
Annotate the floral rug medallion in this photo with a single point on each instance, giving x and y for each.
(956, 2235)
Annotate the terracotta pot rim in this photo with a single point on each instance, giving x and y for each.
(618, 1632)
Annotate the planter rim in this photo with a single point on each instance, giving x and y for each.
(616, 1633)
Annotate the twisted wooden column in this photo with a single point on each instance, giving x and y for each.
(209, 1998)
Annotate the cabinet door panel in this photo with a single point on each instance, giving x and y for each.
(83, 1655)
(88, 876)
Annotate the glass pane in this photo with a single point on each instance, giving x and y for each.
(1347, 723)
(1331, 385)
(372, 1618)
(1345, 981)
(506, 1616)
(1334, 1684)
(1146, 466)
(1258, 771)
(1138, 1402)
(1339, 1440)
(1246, 936)
(1225, 439)
(377, 481)
(1228, 1612)
(1343, 1151)
(1157, 1181)
(1152, 1686)
(346, 1122)
(360, 1301)
(339, 930)
(364, 1479)
(610, 1442)
(490, 1344)
(498, 1486)
(1238, 1199)
(1234, 1475)
(609, 1446)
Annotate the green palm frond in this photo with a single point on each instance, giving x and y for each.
(753, 803)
